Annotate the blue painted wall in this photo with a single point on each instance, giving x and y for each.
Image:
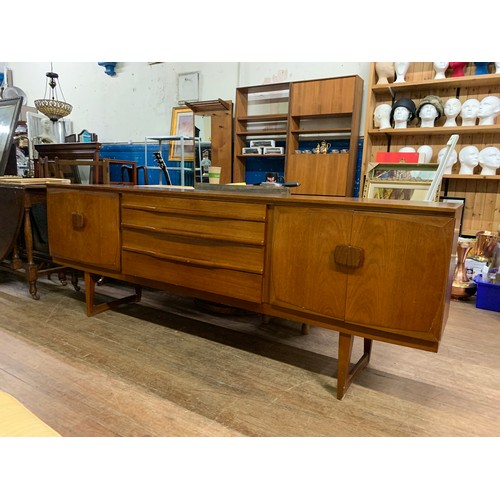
(256, 168)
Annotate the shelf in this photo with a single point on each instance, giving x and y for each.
(263, 118)
(262, 132)
(476, 129)
(323, 131)
(200, 107)
(480, 191)
(444, 83)
(261, 156)
(477, 177)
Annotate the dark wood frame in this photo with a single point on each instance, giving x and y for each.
(12, 119)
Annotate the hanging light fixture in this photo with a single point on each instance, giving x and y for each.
(50, 105)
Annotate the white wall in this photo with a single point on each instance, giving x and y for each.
(138, 101)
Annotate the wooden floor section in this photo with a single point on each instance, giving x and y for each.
(167, 367)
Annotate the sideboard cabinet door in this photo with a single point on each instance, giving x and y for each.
(84, 227)
(303, 274)
(405, 276)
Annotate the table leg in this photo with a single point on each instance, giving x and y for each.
(31, 267)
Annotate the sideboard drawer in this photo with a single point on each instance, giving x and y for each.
(226, 282)
(214, 246)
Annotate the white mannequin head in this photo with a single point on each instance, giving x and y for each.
(401, 116)
(469, 158)
(452, 109)
(489, 159)
(469, 111)
(426, 152)
(385, 72)
(401, 69)
(440, 69)
(407, 149)
(489, 109)
(427, 114)
(381, 116)
(451, 160)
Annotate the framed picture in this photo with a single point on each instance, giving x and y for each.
(451, 199)
(188, 87)
(182, 124)
(392, 190)
(403, 172)
(9, 116)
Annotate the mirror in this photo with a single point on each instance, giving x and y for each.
(9, 116)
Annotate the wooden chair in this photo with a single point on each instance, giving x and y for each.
(128, 170)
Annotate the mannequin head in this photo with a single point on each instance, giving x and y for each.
(402, 112)
(451, 160)
(427, 114)
(385, 71)
(426, 152)
(382, 116)
(429, 110)
(469, 158)
(458, 68)
(440, 69)
(489, 109)
(481, 68)
(469, 111)
(452, 109)
(489, 159)
(401, 69)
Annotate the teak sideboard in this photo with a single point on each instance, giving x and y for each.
(377, 269)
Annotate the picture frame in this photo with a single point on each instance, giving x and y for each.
(182, 125)
(453, 199)
(9, 116)
(398, 181)
(394, 190)
(188, 87)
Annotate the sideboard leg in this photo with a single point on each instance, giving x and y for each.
(90, 283)
(344, 375)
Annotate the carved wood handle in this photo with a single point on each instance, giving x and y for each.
(77, 220)
(349, 256)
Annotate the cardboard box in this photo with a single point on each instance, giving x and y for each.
(383, 157)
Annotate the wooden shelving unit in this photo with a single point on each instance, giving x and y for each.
(221, 129)
(297, 113)
(481, 193)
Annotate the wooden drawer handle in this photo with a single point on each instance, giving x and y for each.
(349, 256)
(77, 220)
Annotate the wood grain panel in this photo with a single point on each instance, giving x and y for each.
(397, 287)
(303, 273)
(322, 97)
(330, 173)
(215, 228)
(239, 285)
(195, 207)
(99, 215)
(211, 253)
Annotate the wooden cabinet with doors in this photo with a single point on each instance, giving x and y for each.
(300, 114)
(324, 110)
(481, 193)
